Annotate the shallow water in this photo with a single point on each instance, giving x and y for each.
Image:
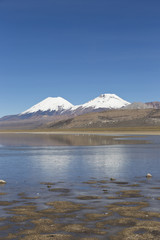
(24, 165)
(77, 165)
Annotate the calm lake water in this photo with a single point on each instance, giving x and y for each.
(41, 168)
(32, 158)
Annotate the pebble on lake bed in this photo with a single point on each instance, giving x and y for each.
(2, 182)
(148, 175)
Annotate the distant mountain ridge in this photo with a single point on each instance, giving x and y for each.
(155, 105)
(60, 106)
(138, 105)
(56, 112)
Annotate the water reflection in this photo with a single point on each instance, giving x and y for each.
(69, 163)
(28, 139)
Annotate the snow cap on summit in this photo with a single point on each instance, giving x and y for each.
(50, 104)
(60, 105)
(110, 101)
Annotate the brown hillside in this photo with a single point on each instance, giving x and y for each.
(112, 118)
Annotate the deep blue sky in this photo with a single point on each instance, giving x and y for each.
(78, 49)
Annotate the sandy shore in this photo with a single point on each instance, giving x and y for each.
(108, 132)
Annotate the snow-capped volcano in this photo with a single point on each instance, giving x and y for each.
(60, 106)
(109, 101)
(50, 104)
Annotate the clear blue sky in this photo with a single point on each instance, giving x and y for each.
(78, 49)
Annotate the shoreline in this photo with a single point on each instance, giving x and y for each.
(107, 132)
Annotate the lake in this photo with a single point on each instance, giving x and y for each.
(47, 157)
(77, 164)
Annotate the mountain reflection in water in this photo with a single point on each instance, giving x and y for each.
(44, 139)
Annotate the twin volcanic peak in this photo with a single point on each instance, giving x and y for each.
(60, 106)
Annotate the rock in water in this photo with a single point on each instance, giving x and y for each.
(112, 179)
(148, 175)
(2, 182)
